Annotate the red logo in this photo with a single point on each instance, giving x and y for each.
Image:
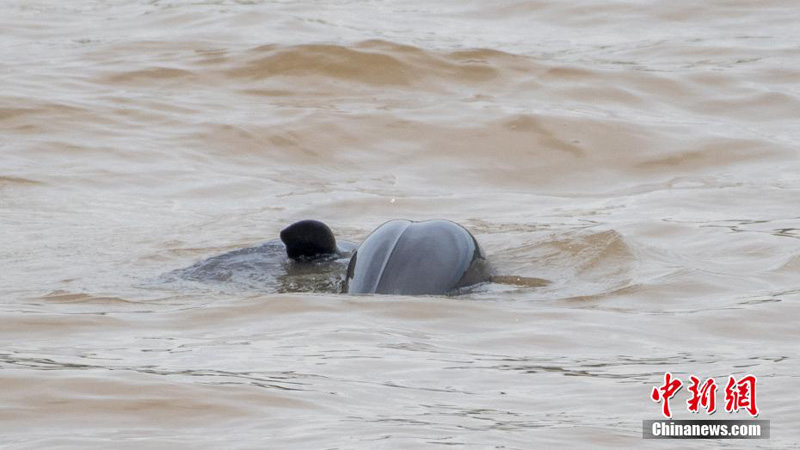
(665, 392)
(705, 395)
(739, 394)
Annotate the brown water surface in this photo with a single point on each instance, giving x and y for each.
(638, 159)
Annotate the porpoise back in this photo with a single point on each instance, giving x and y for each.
(401, 257)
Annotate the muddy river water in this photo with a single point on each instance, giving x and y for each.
(640, 157)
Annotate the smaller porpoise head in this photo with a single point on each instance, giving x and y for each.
(308, 239)
(401, 257)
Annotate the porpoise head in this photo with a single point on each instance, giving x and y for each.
(308, 239)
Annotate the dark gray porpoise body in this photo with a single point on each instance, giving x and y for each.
(307, 258)
(435, 257)
(401, 257)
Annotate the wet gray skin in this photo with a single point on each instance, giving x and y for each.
(434, 257)
(307, 258)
